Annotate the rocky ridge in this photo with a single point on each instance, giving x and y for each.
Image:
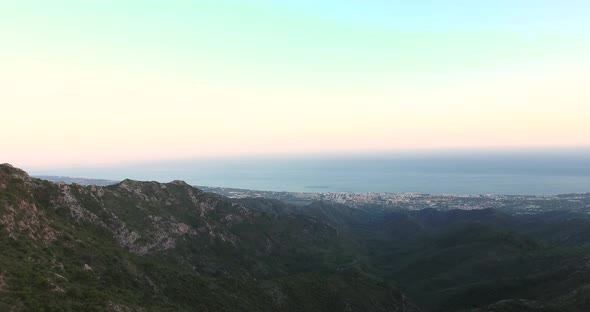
(147, 246)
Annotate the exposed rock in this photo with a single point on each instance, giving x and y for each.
(25, 218)
(68, 201)
(180, 183)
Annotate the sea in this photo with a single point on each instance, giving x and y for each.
(510, 173)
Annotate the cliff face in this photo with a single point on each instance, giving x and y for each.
(148, 246)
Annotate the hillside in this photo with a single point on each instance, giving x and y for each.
(148, 246)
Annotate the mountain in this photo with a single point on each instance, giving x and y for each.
(149, 246)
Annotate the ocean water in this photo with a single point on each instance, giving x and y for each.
(466, 173)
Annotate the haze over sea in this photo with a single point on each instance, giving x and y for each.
(527, 173)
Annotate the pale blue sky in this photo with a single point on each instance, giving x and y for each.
(565, 15)
(126, 80)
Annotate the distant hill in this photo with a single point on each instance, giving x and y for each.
(80, 181)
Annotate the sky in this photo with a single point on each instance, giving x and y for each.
(88, 82)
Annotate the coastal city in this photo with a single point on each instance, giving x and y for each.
(415, 201)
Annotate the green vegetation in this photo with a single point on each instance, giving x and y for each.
(145, 246)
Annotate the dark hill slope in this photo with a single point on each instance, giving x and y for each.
(460, 259)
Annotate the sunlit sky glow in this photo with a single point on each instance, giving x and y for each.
(88, 82)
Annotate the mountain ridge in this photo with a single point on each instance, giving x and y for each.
(195, 236)
(150, 246)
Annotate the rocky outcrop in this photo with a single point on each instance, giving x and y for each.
(25, 218)
(19, 214)
(144, 217)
